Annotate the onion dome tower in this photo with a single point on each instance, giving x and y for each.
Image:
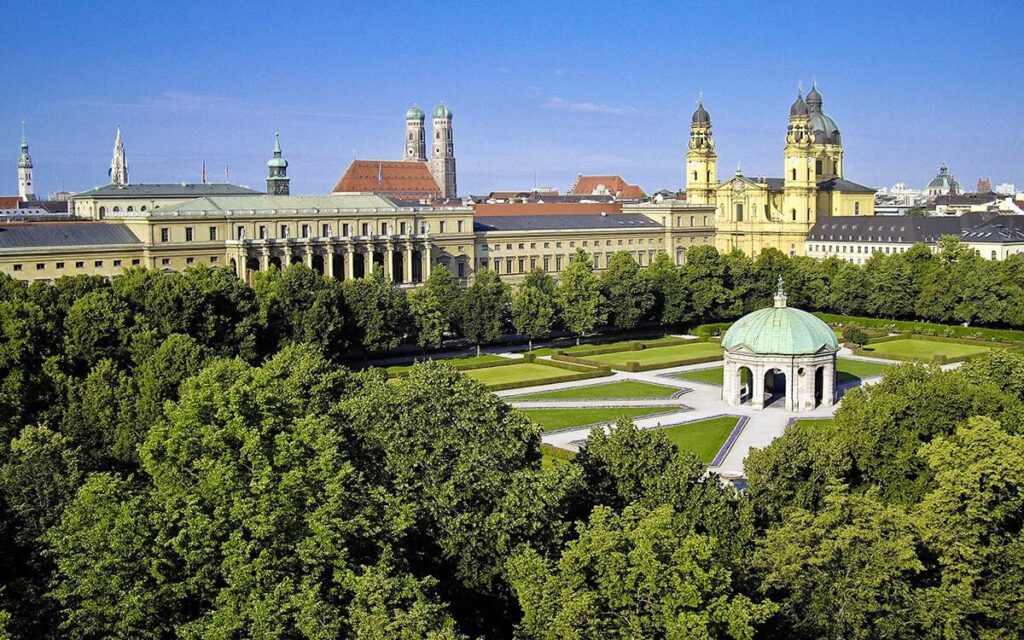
(277, 171)
(701, 159)
(415, 135)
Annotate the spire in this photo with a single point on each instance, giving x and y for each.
(24, 160)
(119, 163)
(739, 170)
(277, 144)
(25, 189)
(780, 295)
(277, 171)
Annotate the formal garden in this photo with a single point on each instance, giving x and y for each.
(848, 370)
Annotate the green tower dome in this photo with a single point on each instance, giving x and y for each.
(780, 330)
(441, 111)
(414, 113)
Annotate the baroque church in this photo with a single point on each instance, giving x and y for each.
(753, 213)
(414, 177)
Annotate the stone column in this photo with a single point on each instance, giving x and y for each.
(329, 260)
(427, 263)
(828, 384)
(792, 388)
(265, 258)
(389, 261)
(350, 260)
(309, 255)
(369, 265)
(729, 387)
(757, 395)
(407, 261)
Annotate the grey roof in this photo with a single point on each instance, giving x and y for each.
(887, 229)
(701, 116)
(825, 129)
(968, 199)
(567, 222)
(28, 235)
(179, 190)
(262, 202)
(844, 185)
(774, 184)
(1009, 228)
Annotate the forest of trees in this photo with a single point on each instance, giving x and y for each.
(181, 456)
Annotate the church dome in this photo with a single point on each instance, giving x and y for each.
(825, 129)
(799, 107)
(814, 99)
(277, 162)
(780, 330)
(414, 113)
(441, 111)
(701, 116)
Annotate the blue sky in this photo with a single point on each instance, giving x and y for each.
(545, 89)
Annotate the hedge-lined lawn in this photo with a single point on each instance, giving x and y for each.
(520, 372)
(452, 361)
(608, 390)
(551, 455)
(553, 419)
(923, 349)
(856, 370)
(711, 375)
(704, 437)
(659, 355)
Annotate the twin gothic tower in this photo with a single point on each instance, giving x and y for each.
(442, 160)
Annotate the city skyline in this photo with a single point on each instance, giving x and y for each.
(585, 101)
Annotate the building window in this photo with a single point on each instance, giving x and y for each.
(508, 266)
(483, 263)
(522, 265)
(263, 232)
(240, 233)
(130, 208)
(441, 226)
(188, 234)
(213, 233)
(284, 231)
(558, 263)
(739, 212)
(60, 265)
(366, 228)
(17, 267)
(597, 261)
(794, 174)
(508, 246)
(547, 244)
(461, 226)
(856, 208)
(383, 228)
(547, 264)
(462, 269)
(165, 261)
(213, 259)
(165, 234)
(571, 244)
(794, 215)
(497, 266)
(42, 265)
(558, 245)
(817, 167)
(402, 228)
(305, 230)
(103, 210)
(117, 263)
(533, 245)
(344, 230)
(533, 263)
(116, 209)
(98, 263)
(80, 264)
(189, 260)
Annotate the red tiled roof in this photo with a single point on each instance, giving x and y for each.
(546, 208)
(389, 177)
(616, 186)
(9, 202)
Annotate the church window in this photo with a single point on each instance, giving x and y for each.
(817, 167)
(856, 208)
(739, 212)
(437, 135)
(794, 174)
(694, 176)
(794, 215)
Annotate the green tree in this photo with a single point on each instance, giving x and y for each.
(891, 291)
(578, 296)
(635, 575)
(380, 310)
(847, 571)
(972, 524)
(485, 309)
(628, 296)
(533, 311)
(855, 336)
(665, 281)
(97, 326)
(100, 414)
(704, 279)
(429, 318)
(443, 286)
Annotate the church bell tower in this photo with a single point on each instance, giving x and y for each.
(701, 159)
(415, 135)
(799, 182)
(442, 161)
(25, 189)
(277, 171)
(119, 163)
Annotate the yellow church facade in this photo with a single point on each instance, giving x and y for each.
(753, 214)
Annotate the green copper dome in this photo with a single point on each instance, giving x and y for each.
(780, 330)
(441, 111)
(414, 113)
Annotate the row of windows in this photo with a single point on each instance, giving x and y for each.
(129, 208)
(98, 264)
(572, 244)
(846, 248)
(326, 230)
(693, 219)
(518, 265)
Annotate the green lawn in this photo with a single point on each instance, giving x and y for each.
(522, 372)
(552, 419)
(551, 455)
(452, 361)
(704, 437)
(659, 355)
(813, 422)
(606, 391)
(846, 371)
(922, 349)
(855, 370)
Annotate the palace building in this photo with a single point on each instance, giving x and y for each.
(754, 213)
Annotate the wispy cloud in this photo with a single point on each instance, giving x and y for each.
(561, 104)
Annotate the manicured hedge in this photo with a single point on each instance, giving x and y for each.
(634, 345)
(928, 328)
(470, 366)
(634, 367)
(574, 366)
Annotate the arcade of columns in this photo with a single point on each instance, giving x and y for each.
(251, 255)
